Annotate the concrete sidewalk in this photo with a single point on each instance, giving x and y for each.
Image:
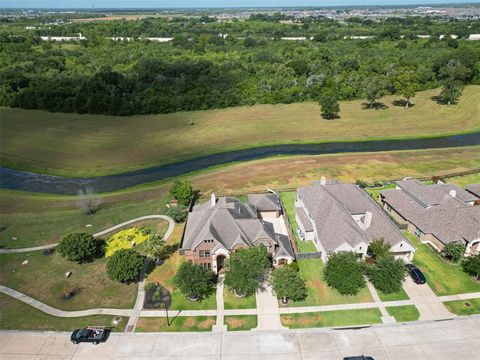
(268, 314)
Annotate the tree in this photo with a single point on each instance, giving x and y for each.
(378, 248)
(154, 246)
(471, 265)
(387, 274)
(406, 85)
(451, 91)
(182, 191)
(344, 272)
(287, 284)
(246, 270)
(78, 247)
(125, 265)
(194, 281)
(453, 251)
(329, 104)
(374, 89)
(178, 213)
(89, 200)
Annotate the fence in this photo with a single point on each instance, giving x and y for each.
(309, 255)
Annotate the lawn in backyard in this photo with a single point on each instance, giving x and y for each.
(332, 318)
(230, 301)
(375, 191)
(15, 315)
(460, 307)
(444, 278)
(401, 295)
(116, 146)
(462, 181)
(404, 313)
(177, 324)
(43, 278)
(240, 322)
(319, 293)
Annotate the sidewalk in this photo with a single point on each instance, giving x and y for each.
(268, 314)
(220, 325)
(386, 318)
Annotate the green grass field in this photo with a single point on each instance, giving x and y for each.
(404, 313)
(15, 315)
(240, 322)
(462, 181)
(177, 324)
(231, 302)
(459, 307)
(332, 318)
(402, 295)
(86, 145)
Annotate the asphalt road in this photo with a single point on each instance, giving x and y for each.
(452, 339)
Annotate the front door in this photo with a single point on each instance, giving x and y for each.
(220, 263)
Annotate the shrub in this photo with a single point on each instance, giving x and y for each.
(344, 272)
(194, 281)
(178, 214)
(182, 191)
(471, 265)
(78, 247)
(123, 240)
(453, 251)
(387, 274)
(288, 284)
(125, 265)
(246, 270)
(362, 183)
(378, 249)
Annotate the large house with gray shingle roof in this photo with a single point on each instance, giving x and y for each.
(436, 214)
(343, 217)
(473, 189)
(219, 227)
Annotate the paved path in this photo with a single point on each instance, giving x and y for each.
(386, 318)
(457, 339)
(220, 325)
(171, 224)
(466, 296)
(268, 314)
(428, 304)
(137, 308)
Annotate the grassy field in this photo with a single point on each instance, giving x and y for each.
(443, 277)
(231, 302)
(43, 279)
(332, 318)
(459, 307)
(319, 293)
(85, 145)
(461, 181)
(15, 315)
(404, 313)
(240, 322)
(178, 324)
(402, 295)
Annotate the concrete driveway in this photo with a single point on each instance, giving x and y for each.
(454, 339)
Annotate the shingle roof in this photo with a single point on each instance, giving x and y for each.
(333, 206)
(264, 202)
(307, 224)
(474, 189)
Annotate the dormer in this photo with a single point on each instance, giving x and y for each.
(363, 220)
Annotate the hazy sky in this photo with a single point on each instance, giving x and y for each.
(207, 3)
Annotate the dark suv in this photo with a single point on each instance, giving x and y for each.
(415, 273)
(92, 334)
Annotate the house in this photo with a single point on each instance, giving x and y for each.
(473, 189)
(343, 217)
(436, 214)
(219, 227)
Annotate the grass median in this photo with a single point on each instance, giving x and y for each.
(332, 318)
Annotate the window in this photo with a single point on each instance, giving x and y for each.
(204, 253)
(206, 265)
(209, 241)
(418, 232)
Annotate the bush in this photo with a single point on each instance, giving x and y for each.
(362, 183)
(378, 249)
(182, 191)
(125, 265)
(387, 274)
(471, 265)
(194, 281)
(178, 214)
(123, 240)
(246, 270)
(453, 251)
(344, 272)
(288, 284)
(78, 247)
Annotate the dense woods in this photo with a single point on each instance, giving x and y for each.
(213, 64)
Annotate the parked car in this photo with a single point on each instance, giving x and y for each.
(415, 273)
(361, 357)
(92, 334)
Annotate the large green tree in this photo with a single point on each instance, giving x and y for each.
(194, 281)
(288, 284)
(329, 104)
(454, 251)
(406, 85)
(182, 191)
(378, 248)
(374, 89)
(78, 247)
(471, 265)
(344, 271)
(387, 274)
(125, 265)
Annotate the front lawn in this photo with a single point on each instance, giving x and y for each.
(177, 324)
(43, 278)
(459, 307)
(401, 295)
(443, 277)
(288, 200)
(332, 318)
(404, 313)
(232, 302)
(319, 293)
(240, 322)
(15, 315)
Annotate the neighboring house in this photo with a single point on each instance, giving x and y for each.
(436, 214)
(473, 189)
(219, 227)
(343, 217)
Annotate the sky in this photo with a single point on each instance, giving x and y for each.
(207, 3)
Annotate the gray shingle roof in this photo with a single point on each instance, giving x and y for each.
(333, 207)
(474, 189)
(307, 224)
(264, 202)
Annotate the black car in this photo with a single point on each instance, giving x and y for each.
(415, 273)
(360, 357)
(92, 334)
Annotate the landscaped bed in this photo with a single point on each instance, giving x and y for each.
(240, 322)
(15, 315)
(404, 313)
(230, 301)
(177, 324)
(463, 307)
(332, 318)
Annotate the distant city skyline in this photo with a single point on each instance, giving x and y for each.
(213, 3)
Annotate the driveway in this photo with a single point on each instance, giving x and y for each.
(455, 339)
